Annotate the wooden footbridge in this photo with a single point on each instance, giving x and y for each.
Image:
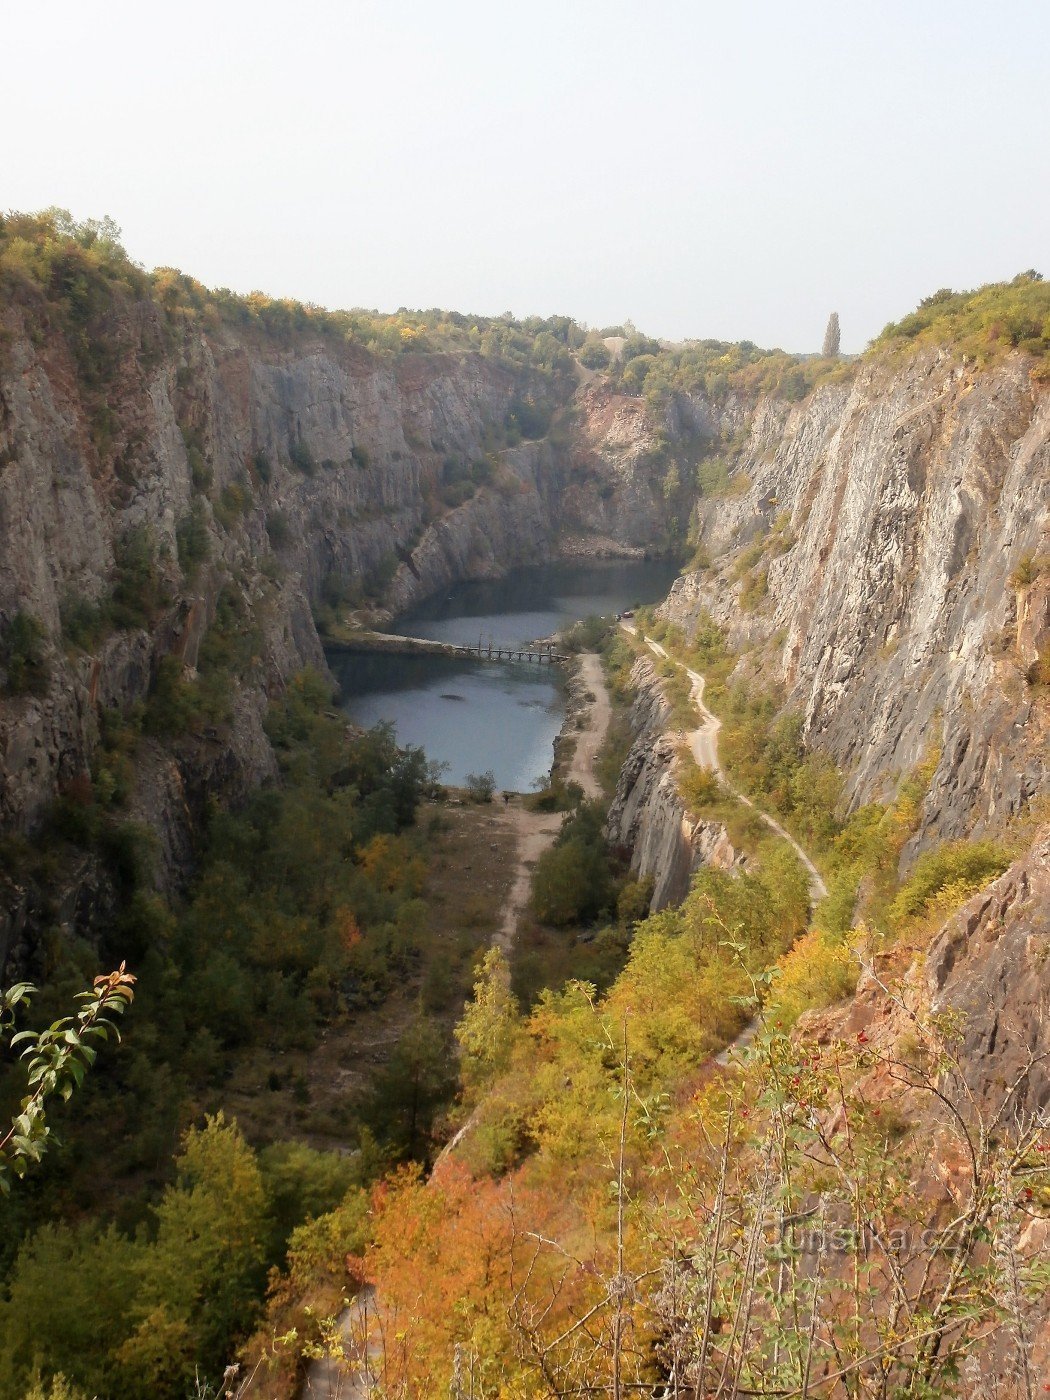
(538, 654)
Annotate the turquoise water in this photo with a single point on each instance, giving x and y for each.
(475, 716)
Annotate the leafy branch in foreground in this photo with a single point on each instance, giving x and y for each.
(57, 1060)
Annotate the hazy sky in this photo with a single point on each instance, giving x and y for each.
(726, 169)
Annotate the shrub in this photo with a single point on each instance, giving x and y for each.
(279, 530)
(301, 458)
(178, 705)
(457, 493)
(139, 593)
(958, 868)
(481, 786)
(84, 623)
(818, 970)
(22, 655)
(234, 501)
(754, 590)
(573, 880)
(191, 540)
(594, 355)
(1028, 570)
(700, 787)
(587, 635)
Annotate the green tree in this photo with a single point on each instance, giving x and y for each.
(69, 1296)
(419, 1077)
(573, 882)
(490, 1023)
(481, 786)
(22, 655)
(832, 337)
(200, 1281)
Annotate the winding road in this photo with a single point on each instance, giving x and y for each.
(703, 744)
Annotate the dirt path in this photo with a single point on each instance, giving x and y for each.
(590, 739)
(703, 743)
(349, 1375)
(535, 831)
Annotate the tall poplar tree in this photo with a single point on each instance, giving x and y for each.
(831, 337)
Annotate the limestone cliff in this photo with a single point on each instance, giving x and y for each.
(876, 539)
(989, 969)
(872, 538)
(314, 472)
(182, 463)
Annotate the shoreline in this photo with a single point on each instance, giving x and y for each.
(587, 723)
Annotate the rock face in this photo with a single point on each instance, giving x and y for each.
(991, 965)
(897, 512)
(648, 818)
(305, 471)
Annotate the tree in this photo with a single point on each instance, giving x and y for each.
(68, 1295)
(490, 1023)
(201, 1280)
(409, 1090)
(831, 337)
(481, 786)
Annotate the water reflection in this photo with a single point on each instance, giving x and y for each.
(479, 715)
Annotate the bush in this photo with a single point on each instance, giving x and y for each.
(279, 530)
(191, 540)
(947, 876)
(985, 323)
(84, 623)
(139, 593)
(573, 880)
(594, 355)
(457, 493)
(589, 634)
(235, 500)
(178, 705)
(301, 458)
(530, 417)
(22, 655)
(817, 971)
(700, 787)
(481, 786)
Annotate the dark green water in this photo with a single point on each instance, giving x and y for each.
(475, 716)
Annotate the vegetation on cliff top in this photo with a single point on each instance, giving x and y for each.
(81, 268)
(984, 324)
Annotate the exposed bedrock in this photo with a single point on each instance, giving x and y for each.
(894, 601)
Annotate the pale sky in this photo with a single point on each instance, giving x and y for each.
(734, 169)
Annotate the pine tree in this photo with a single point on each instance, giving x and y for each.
(831, 337)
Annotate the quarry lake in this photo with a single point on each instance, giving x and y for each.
(475, 716)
